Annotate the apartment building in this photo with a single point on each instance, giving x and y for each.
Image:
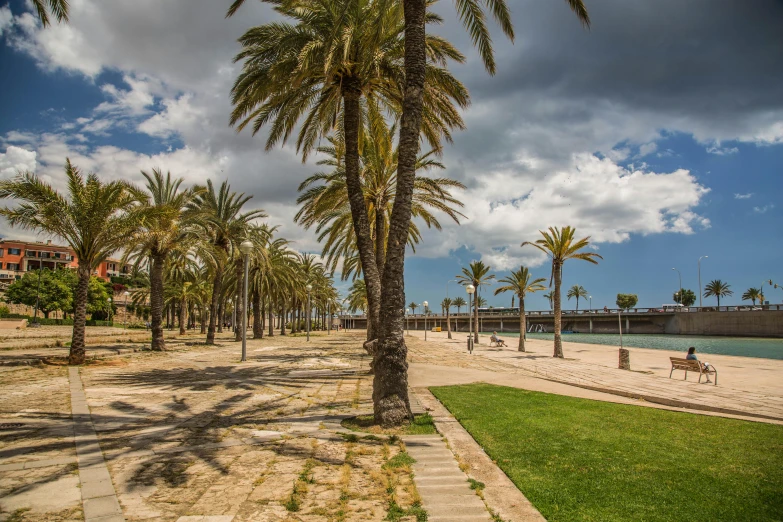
(18, 257)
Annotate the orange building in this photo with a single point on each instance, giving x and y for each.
(18, 257)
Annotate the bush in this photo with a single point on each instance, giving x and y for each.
(94, 322)
(4, 311)
(42, 320)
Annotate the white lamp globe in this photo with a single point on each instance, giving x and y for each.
(470, 289)
(246, 247)
(309, 287)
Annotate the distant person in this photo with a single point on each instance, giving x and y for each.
(692, 357)
(497, 340)
(606, 310)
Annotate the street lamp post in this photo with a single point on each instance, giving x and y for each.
(37, 294)
(125, 306)
(591, 302)
(705, 257)
(407, 320)
(329, 319)
(470, 289)
(425, 304)
(246, 248)
(680, 276)
(309, 289)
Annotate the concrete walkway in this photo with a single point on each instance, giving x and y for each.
(443, 486)
(98, 496)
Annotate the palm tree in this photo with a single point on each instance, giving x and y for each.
(577, 291)
(560, 246)
(520, 284)
(314, 68)
(459, 303)
(57, 8)
(325, 199)
(163, 227)
(717, 288)
(751, 294)
(476, 274)
(222, 222)
(357, 296)
(446, 305)
(549, 296)
(95, 219)
(413, 306)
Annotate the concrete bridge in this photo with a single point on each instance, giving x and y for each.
(728, 321)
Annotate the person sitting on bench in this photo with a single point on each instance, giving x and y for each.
(692, 357)
(497, 340)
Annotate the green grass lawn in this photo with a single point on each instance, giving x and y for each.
(577, 459)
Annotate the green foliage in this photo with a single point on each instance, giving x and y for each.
(400, 460)
(688, 297)
(4, 311)
(752, 294)
(718, 289)
(475, 484)
(626, 301)
(566, 453)
(53, 290)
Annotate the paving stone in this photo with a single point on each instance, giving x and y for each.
(101, 488)
(101, 507)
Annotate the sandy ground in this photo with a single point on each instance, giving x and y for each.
(763, 376)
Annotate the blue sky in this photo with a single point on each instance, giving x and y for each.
(661, 140)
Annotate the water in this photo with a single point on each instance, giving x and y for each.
(742, 346)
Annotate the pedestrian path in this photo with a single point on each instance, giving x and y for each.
(444, 488)
(99, 499)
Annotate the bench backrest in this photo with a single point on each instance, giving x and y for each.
(679, 363)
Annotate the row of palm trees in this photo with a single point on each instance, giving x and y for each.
(335, 68)
(188, 242)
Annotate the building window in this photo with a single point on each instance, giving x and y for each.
(14, 251)
(12, 266)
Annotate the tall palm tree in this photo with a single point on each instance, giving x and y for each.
(520, 284)
(340, 65)
(413, 306)
(95, 219)
(459, 302)
(163, 227)
(446, 305)
(549, 296)
(57, 8)
(476, 274)
(717, 288)
(222, 222)
(751, 294)
(577, 291)
(560, 246)
(325, 199)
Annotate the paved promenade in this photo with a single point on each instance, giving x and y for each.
(748, 387)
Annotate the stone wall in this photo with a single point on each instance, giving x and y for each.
(761, 323)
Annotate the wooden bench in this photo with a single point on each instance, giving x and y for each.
(689, 365)
(499, 342)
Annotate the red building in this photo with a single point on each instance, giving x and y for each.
(18, 257)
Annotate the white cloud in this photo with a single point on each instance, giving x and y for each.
(132, 102)
(764, 209)
(6, 19)
(16, 159)
(647, 148)
(598, 197)
(19, 137)
(179, 115)
(743, 196)
(721, 151)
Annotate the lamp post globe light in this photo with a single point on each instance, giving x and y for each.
(425, 304)
(309, 289)
(246, 247)
(470, 289)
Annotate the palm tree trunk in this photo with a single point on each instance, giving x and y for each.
(156, 300)
(76, 355)
(203, 314)
(282, 320)
(217, 287)
(380, 236)
(271, 331)
(558, 339)
(391, 405)
(258, 328)
(522, 325)
(221, 315)
(448, 323)
(239, 299)
(351, 91)
(183, 315)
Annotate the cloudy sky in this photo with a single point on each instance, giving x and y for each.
(658, 132)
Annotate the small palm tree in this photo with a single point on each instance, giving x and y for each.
(560, 246)
(459, 303)
(95, 219)
(549, 296)
(717, 288)
(413, 307)
(751, 294)
(577, 291)
(446, 305)
(476, 274)
(520, 284)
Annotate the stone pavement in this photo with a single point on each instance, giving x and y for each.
(538, 363)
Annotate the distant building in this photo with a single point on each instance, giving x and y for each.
(18, 257)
